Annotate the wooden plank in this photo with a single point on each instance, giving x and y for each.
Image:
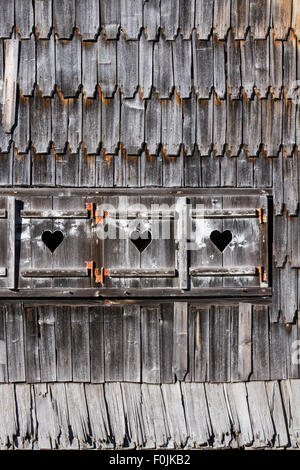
(68, 66)
(24, 18)
(234, 126)
(163, 68)
(182, 62)
(134, 414)
(290, 181)
(64, 18)
(111, 111)
(6, 18)
(63, 344)
(80, 344)
(195, 405)
(221, 17)
(43, 17)
(22, 133)
(15, 343)
(47, 346)
(245, 345)
(262, 425)
(127, 66)
(8, 413)
(281, 18)
(210, 271)
(186, 18)
(87, 18)
(289, 65)
(75, 123)
(219, 414)
(219, 127)
(180, 340)
(150, 345)
(45, 65)
(169, 18)
(204, 126)
(3, 347)
(175, 414)
(166, 342)
(27, 66)
(276, 67)
(26, 422)
(10, 84)
(40, 120)
(145, 65)
(271, 130)
(153, 124)
(260, 343)
(132, 343)
(32, 352)
(113, 344)
(260, 17)
(252, 128)
(247, 64)
(116, 412)
(55, 273)
(203, 76)
(132, 124)
(204, 18)
(107, 66)
(96, 344)
(219, 68)
(60, 118)
(142, 272)
(171, 126)
(131, 18)
(234, 66)
(219, 346)
(278, 414)
(110, 17)
(91, 125)
(151, 20)
(240, 18)
(97, 411)
(189, 117)
(236, 395)
(89, 67)
(261, 66)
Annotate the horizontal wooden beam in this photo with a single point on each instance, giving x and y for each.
(164, 214)
(82, 272)
(224, 214)
(211, 271)
(142, 272)
(153, 293)
(54, 214)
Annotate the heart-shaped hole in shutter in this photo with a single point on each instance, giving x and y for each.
(141, 240)
(221, 239)
(52, 239)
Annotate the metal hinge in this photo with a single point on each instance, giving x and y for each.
(95, 213)
(97, 273)
(262, 215)
(263, 275)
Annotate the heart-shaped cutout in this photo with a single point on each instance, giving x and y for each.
(141, 240)
(52, 239)
(221, 239)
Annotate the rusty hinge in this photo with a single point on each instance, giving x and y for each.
(95, 214)
(263, 275)
(262, 216)
(97, 273)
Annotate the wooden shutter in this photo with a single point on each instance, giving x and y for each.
(163, 263)
(66, 265)
(244, 261)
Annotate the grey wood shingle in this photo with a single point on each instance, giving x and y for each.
(107, 66)
(45, 66)
(27, 66)
(24, 17)
(43, 17)
(87, 18)
(68, 59)
(64, 17)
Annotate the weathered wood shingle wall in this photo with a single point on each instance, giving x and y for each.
(96, 344)
(136, 93)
